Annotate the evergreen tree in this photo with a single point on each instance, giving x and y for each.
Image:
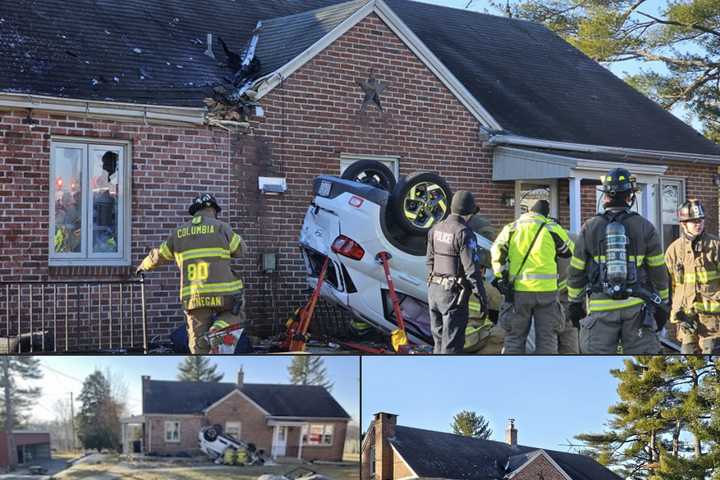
(198, 369)
(470, 424)
(661, 428)
(12, 371)
(683, 37)
(99, 418)
(309, 370)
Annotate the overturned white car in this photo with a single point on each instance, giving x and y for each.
(354, 217)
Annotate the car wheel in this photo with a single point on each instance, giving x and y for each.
(371, 172)
(482, 226)
(211, 433)
(421, 200)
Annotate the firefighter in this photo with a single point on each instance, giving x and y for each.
(568, 339)
(202, 250)
(454, 271)
(526, 272)
(693, 261)
(619, 263)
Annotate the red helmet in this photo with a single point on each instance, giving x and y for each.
(692, 209)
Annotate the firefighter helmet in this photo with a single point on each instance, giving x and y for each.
(618, 180)
(203, 200)
(692, 209)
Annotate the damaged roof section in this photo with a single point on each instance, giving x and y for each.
(444, 455)
(130, 51)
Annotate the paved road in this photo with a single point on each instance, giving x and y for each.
(53, 466)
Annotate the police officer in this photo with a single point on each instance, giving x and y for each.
(618, 260)
(693, 261)
(454, 269)
(525, 268)
(202, 249)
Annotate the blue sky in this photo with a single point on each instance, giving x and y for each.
(63, 374)
(552, 398)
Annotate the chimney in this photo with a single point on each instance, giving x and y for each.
(384, 428)
(240, 378)
(511, 433)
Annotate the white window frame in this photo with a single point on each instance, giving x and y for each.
(175, 426)
(682, 195)
(231, 425)
(552, 184)
(85, 258)
(392, 162)
(305, 434)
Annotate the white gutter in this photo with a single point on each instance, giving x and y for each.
(116, 110)
(517, 140)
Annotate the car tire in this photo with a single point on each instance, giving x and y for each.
(211, 433)
(419, 201)
(371, 172)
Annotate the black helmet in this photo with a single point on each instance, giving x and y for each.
(618, 180)
(203, 200)
(692, 209)
(463, 203)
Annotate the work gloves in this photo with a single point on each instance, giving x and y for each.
(503, 286)
(139, 271)
(576, 312)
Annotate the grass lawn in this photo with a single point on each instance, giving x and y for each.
(112, 471)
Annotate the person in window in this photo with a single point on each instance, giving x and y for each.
(105, 206)
(67, 223)
(209, 289)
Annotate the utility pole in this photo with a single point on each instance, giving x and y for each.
(72, 419)
(12, 453)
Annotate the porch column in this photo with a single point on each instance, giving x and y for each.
(575, 204)
(300, 443)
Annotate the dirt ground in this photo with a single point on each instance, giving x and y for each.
(112, 469)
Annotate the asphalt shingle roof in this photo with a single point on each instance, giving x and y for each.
(170, 397)
(444, 455)
(530, 80)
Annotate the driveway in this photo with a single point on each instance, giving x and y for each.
(22, 473)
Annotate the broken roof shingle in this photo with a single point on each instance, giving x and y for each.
(444, 455)
(307, 401)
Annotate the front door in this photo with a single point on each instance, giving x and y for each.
(279, 442)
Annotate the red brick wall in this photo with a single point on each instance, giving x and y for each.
(254, 425)
(189, 428)
(313, 117)
(699, 184)
(540, 467)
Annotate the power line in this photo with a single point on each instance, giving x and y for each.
(61, 373)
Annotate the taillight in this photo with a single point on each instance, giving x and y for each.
(347, 247)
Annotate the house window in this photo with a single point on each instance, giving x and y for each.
(234, 429)
(318, 435)
(529, 192)
(172, 432)
(393, 163)
(90, 204)
(671, 197)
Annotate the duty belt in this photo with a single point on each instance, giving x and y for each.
(447, 282)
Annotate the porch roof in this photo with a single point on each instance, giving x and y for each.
(511, 163)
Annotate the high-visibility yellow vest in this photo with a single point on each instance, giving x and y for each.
(540, 271)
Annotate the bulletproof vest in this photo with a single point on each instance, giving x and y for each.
(446, 245)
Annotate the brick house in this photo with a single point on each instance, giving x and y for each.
(297, 421)
(498, 106)
(394, 452)
(30, 447)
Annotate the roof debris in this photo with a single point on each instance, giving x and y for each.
(137, 50)
(235, 101)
